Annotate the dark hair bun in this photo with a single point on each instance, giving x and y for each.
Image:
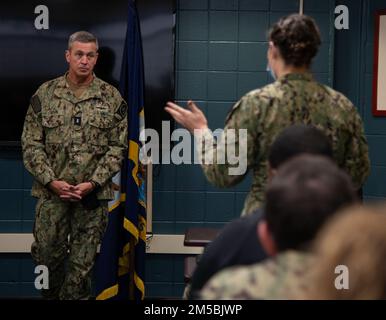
(298, 39)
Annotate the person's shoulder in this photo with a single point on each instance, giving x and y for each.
(338, 97)
(50, 84)
(264, 93)
(239, 227)
(265, 96)
(291, 266)
(240, 282)
(228, 283)
(243, 222)
(107, 89)
(45, 93)
(251, 102)
(233, 275)
(246, 222)
(292, 257)
(236, 244)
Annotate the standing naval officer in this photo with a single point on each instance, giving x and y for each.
(73, 143)
(294, 98)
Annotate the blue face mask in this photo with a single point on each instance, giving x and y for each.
(270, 71)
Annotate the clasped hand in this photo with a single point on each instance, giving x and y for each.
(68, 192)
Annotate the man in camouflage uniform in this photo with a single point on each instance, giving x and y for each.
(73, 141)
(305, 193)
(294, 98)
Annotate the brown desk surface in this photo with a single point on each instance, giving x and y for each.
(199, 237)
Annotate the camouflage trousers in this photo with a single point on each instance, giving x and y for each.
(66, 239)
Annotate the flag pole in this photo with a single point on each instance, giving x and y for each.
(301, 7)
(149, 197)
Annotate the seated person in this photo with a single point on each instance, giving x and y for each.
(356, 240)
(306, 191)
(238, 243)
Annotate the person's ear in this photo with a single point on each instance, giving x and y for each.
(266, 238)
(275, 52)
(273, 57)
(96, 57)
(67, 55)
(269, 51)
(271, 173)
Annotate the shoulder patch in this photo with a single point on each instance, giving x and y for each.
(121, 111)
(35, 103)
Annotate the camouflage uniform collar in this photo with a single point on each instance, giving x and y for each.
(63, 90)
(297, 76)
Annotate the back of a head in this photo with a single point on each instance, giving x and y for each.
(298, 139)
(306, 191)
(355, 239)
(298, 39)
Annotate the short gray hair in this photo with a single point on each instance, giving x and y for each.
(82, 36)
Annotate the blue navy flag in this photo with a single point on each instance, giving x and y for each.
(121, 264)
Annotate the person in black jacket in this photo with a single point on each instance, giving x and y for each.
(238, 243)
